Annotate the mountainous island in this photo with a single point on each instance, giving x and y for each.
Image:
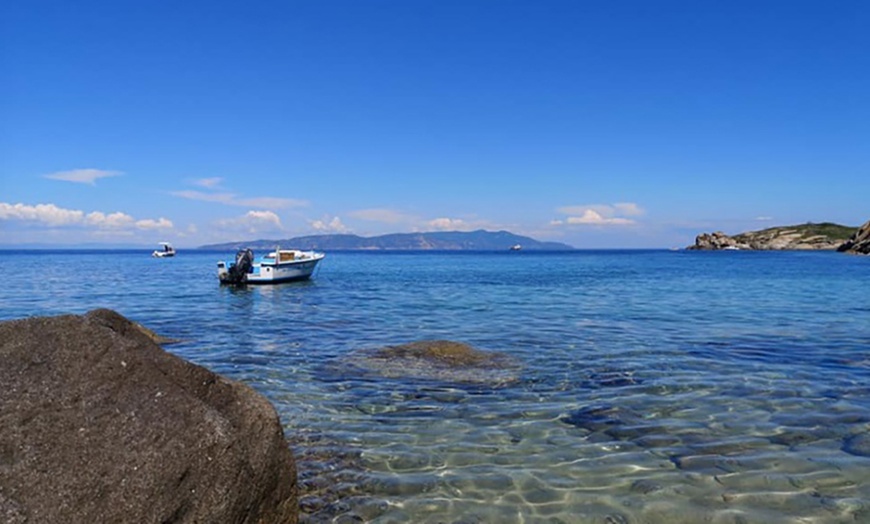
(449, 241)
(810, 236)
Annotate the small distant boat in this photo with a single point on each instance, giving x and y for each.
(516, 247)
(281, 265)
(730, 248)
(166, 250)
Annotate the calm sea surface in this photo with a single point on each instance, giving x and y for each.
(650, 387)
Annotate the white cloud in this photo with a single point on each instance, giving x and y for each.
(208, 182)
(628, 209)
(231, 199)
(83, 176)
(387, 216)
(333, 226)
(449, 224)
(397, 220)
(269, 202)
(764, 219)
(592, 217)
(190, 231)
(221, 198)
(264, 216)
(160, 223)
(599, 215)
(253, 222)
(48, 214)
(115, 220)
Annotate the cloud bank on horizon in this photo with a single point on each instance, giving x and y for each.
(263, 219)
(52, 216)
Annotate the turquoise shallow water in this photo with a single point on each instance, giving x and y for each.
(652, 386)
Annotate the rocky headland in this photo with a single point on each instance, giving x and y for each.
(825, 236)
(858, 243)
(99, 424)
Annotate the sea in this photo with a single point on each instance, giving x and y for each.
(645, 386)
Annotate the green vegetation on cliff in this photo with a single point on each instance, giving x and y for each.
(829, 230)
(809, 236)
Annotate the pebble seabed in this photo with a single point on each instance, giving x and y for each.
(617, 448)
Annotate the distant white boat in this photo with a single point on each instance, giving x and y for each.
(731, 248)
(166, 250)
(516, 247)
(281, 265)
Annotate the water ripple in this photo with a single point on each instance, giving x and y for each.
(652, 386)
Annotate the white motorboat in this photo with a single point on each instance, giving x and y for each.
(516, 247)
(166, 250)
(281, 265)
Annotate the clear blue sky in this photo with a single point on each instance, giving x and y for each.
(628, 123)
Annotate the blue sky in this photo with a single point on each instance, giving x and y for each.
(596, 123)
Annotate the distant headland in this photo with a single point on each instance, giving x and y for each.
(803, 237)
(480, 240)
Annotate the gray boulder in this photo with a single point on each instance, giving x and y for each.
(858, 243)
(716, 241)
(99, 424)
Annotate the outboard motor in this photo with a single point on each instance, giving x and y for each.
(238, 272)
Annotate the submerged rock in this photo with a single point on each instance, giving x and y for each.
(441, 360)
(601, 417)
(858, 445)
(98, 424)
(446, 352)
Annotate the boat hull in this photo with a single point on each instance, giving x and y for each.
(275, 273)
(165, 251)
(282, 272)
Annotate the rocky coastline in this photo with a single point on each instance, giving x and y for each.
(859, 243)
(99, 424)
(806, 237)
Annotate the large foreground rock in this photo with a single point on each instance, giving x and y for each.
(98, 424)
(859, 242)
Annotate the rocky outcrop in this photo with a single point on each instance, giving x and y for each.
(858, 243)
(716, 241)
(804, 237)
(98, 424)
(444, 352)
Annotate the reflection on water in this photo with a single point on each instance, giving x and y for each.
(651, 386)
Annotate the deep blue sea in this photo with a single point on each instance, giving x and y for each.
(649, 386)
